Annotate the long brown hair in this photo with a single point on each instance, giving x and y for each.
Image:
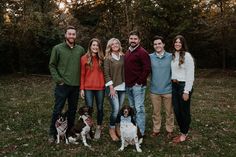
(100, 53)
(183, 49)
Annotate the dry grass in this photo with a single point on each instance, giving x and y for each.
(26, 105)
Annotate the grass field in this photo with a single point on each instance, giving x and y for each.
(26, 105)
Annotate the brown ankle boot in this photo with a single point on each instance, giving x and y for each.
(117, 130)
(112, 133)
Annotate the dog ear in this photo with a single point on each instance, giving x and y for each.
(139, 133)
(58, 115)
(131, 111)
(81, 110)
(122, 110)
(65, 114)
(118, 117)
(90, 111)
(120, 113)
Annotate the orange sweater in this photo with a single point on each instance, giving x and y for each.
(91, 78)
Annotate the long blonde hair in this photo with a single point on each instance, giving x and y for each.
(100, 53)
(109, 49)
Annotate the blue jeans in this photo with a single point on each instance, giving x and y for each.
(116, 102)
(136, 97)
(62, 93)
(99, 97)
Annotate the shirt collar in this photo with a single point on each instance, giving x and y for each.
(115, 56)
(133, 48)
(69, 46)
(160, 55)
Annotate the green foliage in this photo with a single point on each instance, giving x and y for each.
(30, 28)
(30, 37)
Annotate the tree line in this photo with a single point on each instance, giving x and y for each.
(30, 28)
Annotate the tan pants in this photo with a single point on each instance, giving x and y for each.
(157, 101)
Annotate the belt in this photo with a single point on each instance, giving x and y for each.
(177, 82)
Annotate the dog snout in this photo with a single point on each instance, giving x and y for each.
(126, 111)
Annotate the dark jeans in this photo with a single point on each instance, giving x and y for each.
(99, 97)
(181, 107)
(62, 93)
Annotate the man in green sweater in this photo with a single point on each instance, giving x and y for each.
(64, 66)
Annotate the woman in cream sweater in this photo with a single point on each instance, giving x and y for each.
(182, 67)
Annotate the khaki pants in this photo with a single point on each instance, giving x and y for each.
(157, 101)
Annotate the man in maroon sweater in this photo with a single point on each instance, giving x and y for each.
(137, 68)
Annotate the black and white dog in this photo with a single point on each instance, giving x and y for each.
(83, 126)
(61, 127)
(129, 132)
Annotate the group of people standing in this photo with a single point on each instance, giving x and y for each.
(172, 77)
(117, 74)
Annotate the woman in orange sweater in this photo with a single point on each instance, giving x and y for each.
(92, 81)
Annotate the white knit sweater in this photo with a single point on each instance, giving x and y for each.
(184, 72)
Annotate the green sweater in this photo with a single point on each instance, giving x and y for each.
(114, 71)
(64, 64)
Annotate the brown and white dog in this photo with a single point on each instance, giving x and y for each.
(129, 132)
(83, 126)
(61, 127)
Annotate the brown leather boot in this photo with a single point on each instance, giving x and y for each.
(118, 130)
(112, 133)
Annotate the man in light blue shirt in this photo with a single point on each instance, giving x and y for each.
(160, 87)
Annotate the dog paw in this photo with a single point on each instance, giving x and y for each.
(139, 150)
(121, 149)
(71, 139)
(86, 145)
(73, 142)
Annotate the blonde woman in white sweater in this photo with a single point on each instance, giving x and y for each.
(182, 67)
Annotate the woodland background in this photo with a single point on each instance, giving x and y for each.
(30, 28)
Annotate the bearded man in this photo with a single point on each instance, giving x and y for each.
(64, 66)
(137, 68)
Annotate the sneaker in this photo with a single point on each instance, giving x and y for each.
(98, 132)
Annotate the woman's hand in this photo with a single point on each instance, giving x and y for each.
(82, 94)
(185, 96)
(112, 91)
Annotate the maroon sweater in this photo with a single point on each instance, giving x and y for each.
(137, 67)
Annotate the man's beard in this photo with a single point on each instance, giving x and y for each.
(72, 43)
(133, 45)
